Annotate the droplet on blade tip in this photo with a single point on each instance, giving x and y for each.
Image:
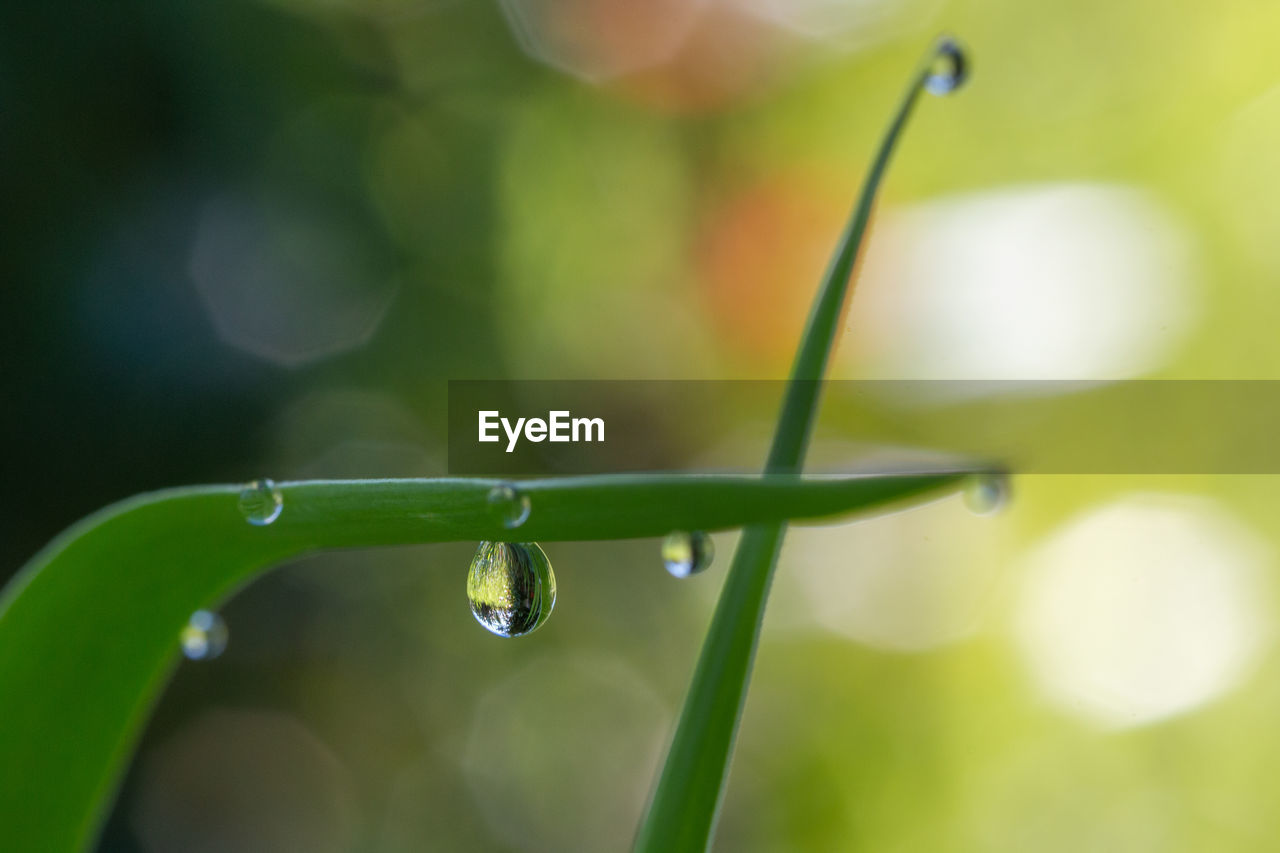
(261, 502)
(204, 637)
(511, 587)
(687, 553)
(987, 494)
(949, 68)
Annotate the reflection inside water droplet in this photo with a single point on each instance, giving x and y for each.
(509, 505)
(261, 502)
(949, 70)
(686, 554)
(204, 637)
(987, 494)
(511, 587)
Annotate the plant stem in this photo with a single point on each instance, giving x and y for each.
(686, 801)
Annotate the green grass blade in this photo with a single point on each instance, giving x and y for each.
(686, 800)
(89, 628)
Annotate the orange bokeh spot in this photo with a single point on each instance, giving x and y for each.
(761, 257)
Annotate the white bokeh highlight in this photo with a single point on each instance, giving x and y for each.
(561, 755)
(286, 284)
(860, 21)
(1144, 609)
(1056, 281)
(910, 581)
(597, 40)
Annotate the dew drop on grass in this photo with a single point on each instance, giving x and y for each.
(511, 587)
(949, 70)
(987, 494)
(509, 505)
(261, 502)
(686, 554)
(204, 637)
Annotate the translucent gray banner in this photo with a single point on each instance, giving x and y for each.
(1042, 427)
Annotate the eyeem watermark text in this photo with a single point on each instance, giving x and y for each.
(559, 426)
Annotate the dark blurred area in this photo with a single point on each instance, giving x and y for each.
(121, 124)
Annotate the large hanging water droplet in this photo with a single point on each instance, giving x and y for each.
(987, 494)
(511, 587)
(949, 70)
(204, 636)
(261, 502)
(509, 505)
(686, 553)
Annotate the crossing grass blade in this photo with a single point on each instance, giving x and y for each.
(686, 800)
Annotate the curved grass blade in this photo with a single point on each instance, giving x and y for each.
(89, 628)
(686, 800)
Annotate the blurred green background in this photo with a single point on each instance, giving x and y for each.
(256, 237)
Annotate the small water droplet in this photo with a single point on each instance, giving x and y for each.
(261, 502)
(987, 494)
(509, 505)
(511, 587)
(949, 70)
(686, 554)
(204, 637)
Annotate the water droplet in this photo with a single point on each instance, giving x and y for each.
(986, 494)
(261, 502)
(204, 637)
(511, 587)
(949, 70)
(687, 554)
(509, 505)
